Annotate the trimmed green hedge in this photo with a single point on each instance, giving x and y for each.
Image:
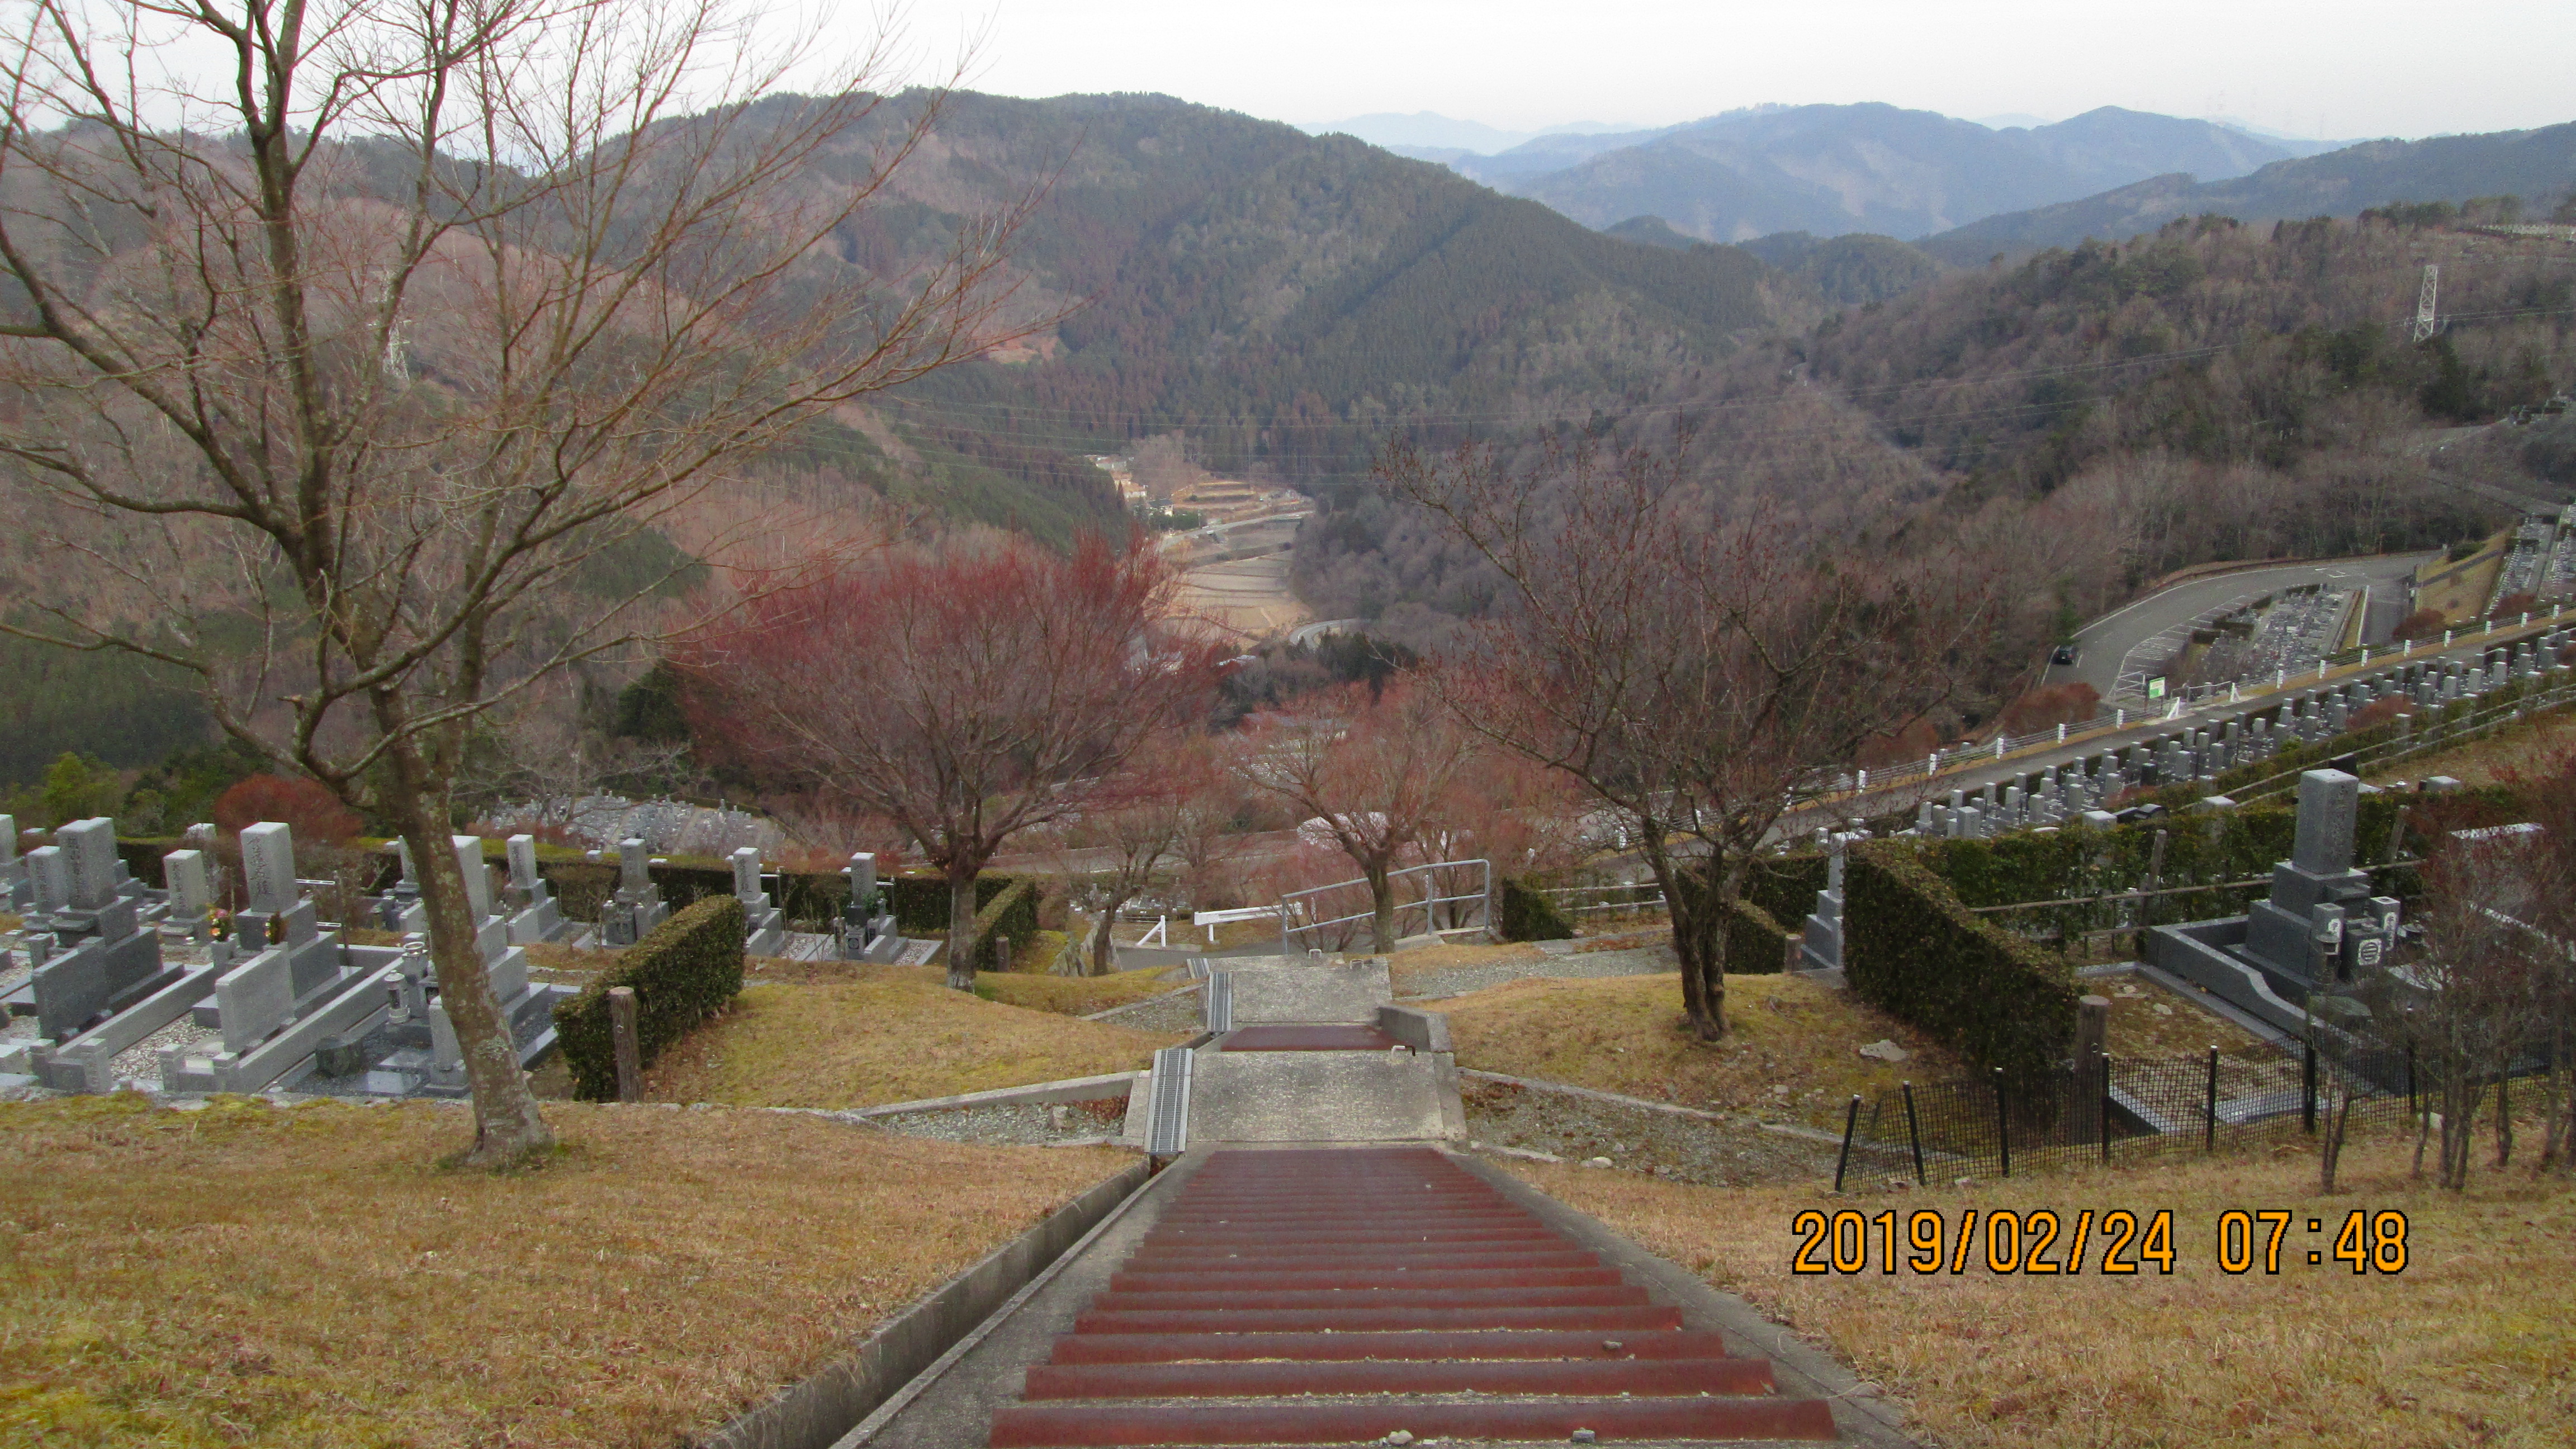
(1012, 915)
(1755, 943)
(684, 972)
(1785, 886)
(1912, 950)
(1529, 915)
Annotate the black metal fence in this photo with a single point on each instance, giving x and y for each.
(2115, 1109)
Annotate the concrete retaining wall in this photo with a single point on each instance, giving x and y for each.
(815, 1413)
(1115, 1086)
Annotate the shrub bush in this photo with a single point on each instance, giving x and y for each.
(1755, 943)
(684, 972)
(1011, 915)
(1912, 950)
(1530, 916)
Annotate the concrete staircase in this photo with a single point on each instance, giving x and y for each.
(1337, 1296)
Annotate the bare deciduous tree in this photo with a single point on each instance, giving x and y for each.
(1700, 672)
(331, 379)
(966, 694)
(1372, 774)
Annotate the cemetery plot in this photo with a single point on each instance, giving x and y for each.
(1792, 1052)
(2473, 1333)
(245, 1274)
(898, 1037)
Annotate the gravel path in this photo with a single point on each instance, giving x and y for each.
(1732, 1153)
(1459, 980)
(1030, 1124)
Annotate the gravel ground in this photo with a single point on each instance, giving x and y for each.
(1174, 1011)
(1015, 1124)
(1459, 980)
(141, 1062)
(1733, 1153)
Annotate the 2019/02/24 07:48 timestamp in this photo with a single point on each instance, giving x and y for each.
(2042, 1241)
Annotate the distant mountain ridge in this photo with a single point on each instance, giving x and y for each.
(2538, 165)
(1871, 167)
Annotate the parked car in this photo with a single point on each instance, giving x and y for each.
(2066, 654)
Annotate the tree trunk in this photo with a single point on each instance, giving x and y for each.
(1381, 907)
(2504, 1120)
(961, 929)
(508, 1131)
(1686, 919)
(1104, 953)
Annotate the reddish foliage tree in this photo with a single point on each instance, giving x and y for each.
(315, 815)
(963, 693)
(2422, 624)
(2050, 705)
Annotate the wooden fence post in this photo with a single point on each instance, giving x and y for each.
(623, 1035)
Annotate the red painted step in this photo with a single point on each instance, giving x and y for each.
(1698, 1343)
(1609, 1295)
(1058, 1426)
(1654, 1378)
(1332, 1297)
(1396, 1276)
(1376, 1320)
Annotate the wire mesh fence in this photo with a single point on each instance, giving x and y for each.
(2113, 1109)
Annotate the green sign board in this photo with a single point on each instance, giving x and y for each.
(2156, 687)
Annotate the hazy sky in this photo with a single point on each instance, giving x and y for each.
(2355, 68)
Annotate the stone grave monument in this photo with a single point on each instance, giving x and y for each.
(867, 927)
(87, 921)
(631, 914)
(538, 917)
(14, 888)
(764, 925)
(1821, 947)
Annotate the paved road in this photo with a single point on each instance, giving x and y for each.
(2109, 641)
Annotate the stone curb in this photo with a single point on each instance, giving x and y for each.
(1141, 1003)
(1860, 1413)
(821, 1409)
(1617, 1099)
(1067, 1089)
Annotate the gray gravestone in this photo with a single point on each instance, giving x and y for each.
(2328, 802)
(634, 867)
(89, 847)
(523, 862)
(50, 871)
(268, 868)
(746, 874)
(478, 876)
(192, 886)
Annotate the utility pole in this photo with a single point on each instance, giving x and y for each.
(2424, 304)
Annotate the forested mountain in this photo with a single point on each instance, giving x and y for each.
(1857, 168)
(1284, 299)
(2537, 166)
(2091, 419)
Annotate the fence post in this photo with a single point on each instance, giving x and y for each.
(2410, 1079)
(2210, 1144)
(1851, 1124)
(1914, 1134)
(622, 1036)
(2105, 1059)
(2003, 1123)
(2308, 1088)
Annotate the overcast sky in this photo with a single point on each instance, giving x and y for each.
(2356, 68)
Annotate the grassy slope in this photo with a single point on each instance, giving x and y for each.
(859, 1043)
(246, 1274)
(2472, 1344)
(1624, 1034)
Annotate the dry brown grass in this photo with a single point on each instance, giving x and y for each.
(2138, 1030)
(1036, 990)
(1405, 968)
(878, 1039)
(309, 1277)
(2473, 1343)
(1625, 1034)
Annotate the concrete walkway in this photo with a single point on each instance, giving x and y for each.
(1318, 1266)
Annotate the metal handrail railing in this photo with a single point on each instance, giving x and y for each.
(1293, 906)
